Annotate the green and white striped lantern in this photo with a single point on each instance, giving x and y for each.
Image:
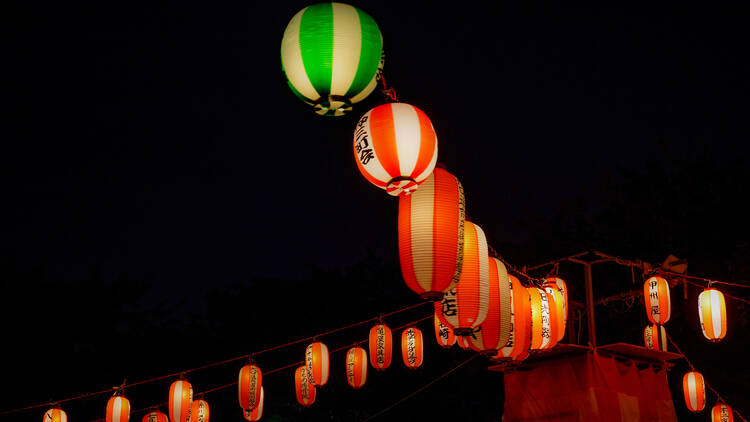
(331, 54)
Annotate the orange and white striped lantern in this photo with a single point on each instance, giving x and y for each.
(395, 147)
(381, 346)
(563, 288)
(55, 415)
(712, 311)
(658, 302)
(180, 401)
(495, 330)
(443, 333)
(118, 409)
(465, 307)
(695, 391)
(655, 337)
(543, 335)
(302, 386)
(155, 416)
(200, 411)
(519, 341)
(412, 347)
(556, 287)
(721, 413)
(254, 414)
(431, 235)
(249, 385)
(356, 367)
(316, 360)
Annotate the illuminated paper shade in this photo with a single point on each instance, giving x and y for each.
(712, 311)
(180, 401)
(55, 415)
(519, 341)
(658, 303)
(443, 333)
(655, 337)
(155, 416)
(543, 335)
(118, 409)
(200, 411)
(316, 360)
(556, 287)
(695, 391)
(250, 383)
(412, 347)
(381, 347)
(302, 386)
(356, 367)
(721, 413)
(495, 330)
(254, 414)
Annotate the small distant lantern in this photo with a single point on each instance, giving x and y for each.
(543, 328)
(155, 416)
(302, 386)
(356, 367)
(519, 341)
(55, 415)
(431, 235)
(695, 391)
(316, 360)
(655, 337)
(721, 413)
(443, 333)
(395, 147)
(495, 330)
(200, 411)
(254, 414)
(250, 383)
(118, 409)
(713, 314)
(658, 302)
(556, 288)
(412, 347)
(381, 346)
(180, 401)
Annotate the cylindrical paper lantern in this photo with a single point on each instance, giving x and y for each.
(381, 346)
(302, 386)
(519, 340)
(316, 360)
(155, 416)
(695, 391)
(180, 401)
(465, 307)
(556, 288)
(543, 334)
(431, 235)
(331, 53)
(563, 288)
(255, 413)
(713, 314)
(200, 411)
(395, 147)
(658, 303)
(721, 413)
(118, 409)
(495, 330)
(356, 367)
(412, 347)
(55, 415)
(443, 333)
(655, 337)
(250, 383)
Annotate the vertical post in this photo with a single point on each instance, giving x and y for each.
(590, 304)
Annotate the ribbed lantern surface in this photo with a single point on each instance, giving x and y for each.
(255, 413)
(118, 409)
(712, 312)
(316, 360)
(431, 235)
(381, 346)
(519, 341)
(563, 288)
(250, 383)
(356, 367)
(543, 335)
(412, 347)
(658, 303)
(443, 333)
(655, 337)
(695, 391)
(200, 411)
(721, 413)
(180, 401)
(55, 415)
(155, 416)
(495, 330)
(552, 287)
(303, 388)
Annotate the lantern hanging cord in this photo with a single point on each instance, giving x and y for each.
(512, 268)
(724, 293)
(388, 91)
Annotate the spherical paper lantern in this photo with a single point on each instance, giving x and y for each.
(721, 413)
(316, 360)
(180, 401)
(543, 326)
(302, 386)
(713, 314)
(356, 367)
(381, 346)
(658, 303)
(155, 416)
(695, 391)
(200, 411)
(412, 347)
(395, 147)
(465, 307)
(255, 413)
(118, 409)
(494, 332)
(655, 337)
(249, 385)
(556, 287)
(519, 341)
(331, 54)
(55, 415)
(443, 333)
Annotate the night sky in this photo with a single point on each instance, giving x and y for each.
(169, 202)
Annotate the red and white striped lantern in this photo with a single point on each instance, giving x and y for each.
(118, 409)
(303, 388)
(381, 346)
(494, 332)
(254, 414)
(712, 311)
(180, 401)
(155, 416)
(552, 287)
(695, 391)
(316, 360)
(443, 333)
(655, 337)
(200, 411)
(249, 385)
(721, 413)
(412, 347)
(658, 302)
(519, 341)
(543, 335)
(55, 415)
(356, 367)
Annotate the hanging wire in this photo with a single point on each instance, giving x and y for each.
(724, 293)
(389, 92)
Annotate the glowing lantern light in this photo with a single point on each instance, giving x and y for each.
(721, 413)
(180, 401)
(658, 303)
(443, 333)
(395, 147)
(412, 347)
(55, 415)
(494, 332)
(316, 360)
(331, 54)
(655, 337)
(519, 341)
(155, 416)
(200, 411)
(249, 385)
(381, 346)
(695, 391)
(305, 391)
(465, 307)
(557, 288)
(543, 335)
(431, 235)
(713, 314)
(356, 367)
(118, 409)
(255, 413)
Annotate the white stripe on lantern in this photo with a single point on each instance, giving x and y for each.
(347, 46)
(545, 319)
(406, 129)
(363, 368)
(177, 409)
(715, 313)
(654, 300)
(294, 67)
(692, 392)
(324, 363)
(63, 416)
(117, 409)
(428, 170)
(508, 348)
(484, 274)
(374, 166)
(422, 222)
(665, 313)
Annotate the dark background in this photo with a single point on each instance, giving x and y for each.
(170, 203)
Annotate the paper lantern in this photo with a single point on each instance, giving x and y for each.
(495, 330)
(180, 401)
(356, 367)
(655, 337)
(316, 360)
(556, 287)
(118, 409)
(395, 147)
(412, 347)
(658, 303)
(431, 235)
(713, 314)
(381, 346)
(55, 415)
(302, 386)
(249, 385)
(695, 391)
(721, 413)
(519, 341)
(465, 307)
(199, 412)
(255, 413)
(155, 416)
(331, 54)
(543, 335)
(443, 333)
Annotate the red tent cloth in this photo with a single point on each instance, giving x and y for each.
(588, 387)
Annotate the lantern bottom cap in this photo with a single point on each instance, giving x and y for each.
(432, 296)
(489, 352)
(332, 105)
(401, 185)
(463, 331)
